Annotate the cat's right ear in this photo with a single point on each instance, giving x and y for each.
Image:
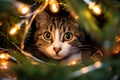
(41, 19)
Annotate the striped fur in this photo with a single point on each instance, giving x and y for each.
(58, 35)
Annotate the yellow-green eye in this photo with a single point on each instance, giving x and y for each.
(47, 35)
(68, 36)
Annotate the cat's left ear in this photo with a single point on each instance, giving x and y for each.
(74, 18)
(41, 19)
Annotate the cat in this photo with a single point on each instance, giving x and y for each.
(58, 36)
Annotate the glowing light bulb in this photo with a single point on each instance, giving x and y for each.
(54, 6)
(14, 30)
(95, 8)
(22, 7)
(84, 70)
(4, 56)
(73, 63)
(4, 63)
(16, 27)
(98, 64)
(25, 10)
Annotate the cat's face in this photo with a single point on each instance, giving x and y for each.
(57, 37)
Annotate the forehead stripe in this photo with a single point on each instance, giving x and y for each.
(57, 35)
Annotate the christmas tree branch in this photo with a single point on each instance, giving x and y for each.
(27, 54)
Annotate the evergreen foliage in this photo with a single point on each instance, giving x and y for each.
(103, 28)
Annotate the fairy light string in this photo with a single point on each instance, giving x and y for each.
(29, 17)
(40, 9)
(85, 70)
(54, 7)
(4, 59)
(24, 9)
(28, 21)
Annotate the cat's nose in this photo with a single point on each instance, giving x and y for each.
(57, 50)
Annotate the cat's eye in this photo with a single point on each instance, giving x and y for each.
(68, 36)
(47, 35)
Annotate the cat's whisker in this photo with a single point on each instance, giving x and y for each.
(92, 47)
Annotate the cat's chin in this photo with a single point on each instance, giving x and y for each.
(58, 57)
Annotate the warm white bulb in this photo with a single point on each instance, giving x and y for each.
(98, 64)
(74, 62)
(16, 27)
(4, 63)
(54, 6)
(22, 7)
(13, 30)
(95, 8)
(4, 56)
(25, 10)
(84, 70)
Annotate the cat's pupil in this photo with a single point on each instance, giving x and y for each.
(68, 36)
(47, 35)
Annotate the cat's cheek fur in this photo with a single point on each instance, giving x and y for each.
(65, 48)
(50, 52)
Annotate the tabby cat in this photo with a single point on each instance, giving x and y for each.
(58, 36)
